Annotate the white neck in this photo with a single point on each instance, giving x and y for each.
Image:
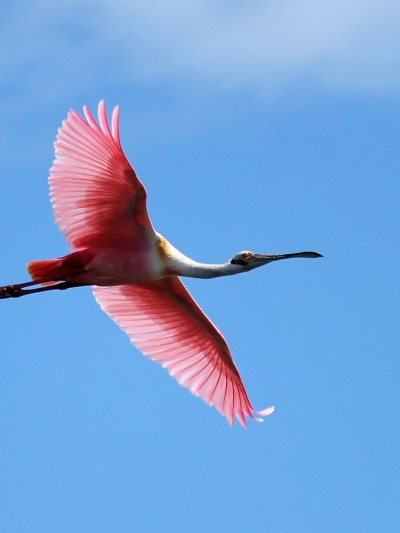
(192, 269)
(184, 266)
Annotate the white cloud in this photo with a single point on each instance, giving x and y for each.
(220, 46)
(259, 45)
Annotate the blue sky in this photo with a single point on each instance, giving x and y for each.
(269, 126)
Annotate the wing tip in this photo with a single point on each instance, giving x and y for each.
(258, 416)
(266, 412)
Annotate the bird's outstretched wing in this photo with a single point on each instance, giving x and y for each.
(165, 323)
(96, 194)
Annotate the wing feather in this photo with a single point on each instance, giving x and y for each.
(165, 323)
(97, 197)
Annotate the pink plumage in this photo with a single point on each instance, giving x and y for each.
(99, 202)
(166, 324)
(100, 205)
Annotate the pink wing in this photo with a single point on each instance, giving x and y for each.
(166, 324)
(96, 195)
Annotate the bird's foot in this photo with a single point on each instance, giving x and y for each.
(10, 291)
(15, 291)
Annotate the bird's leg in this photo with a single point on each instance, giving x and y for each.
(15, 291)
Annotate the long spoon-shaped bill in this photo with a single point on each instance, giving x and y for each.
(270, 258)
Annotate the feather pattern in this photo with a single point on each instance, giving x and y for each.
(97, 197)
(165, 323)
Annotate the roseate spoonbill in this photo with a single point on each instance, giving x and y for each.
(100, 205)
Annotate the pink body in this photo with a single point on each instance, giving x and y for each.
(119, 266)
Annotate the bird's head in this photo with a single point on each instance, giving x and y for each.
(249, 260)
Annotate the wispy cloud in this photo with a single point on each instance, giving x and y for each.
(261, 45)
(223, 47)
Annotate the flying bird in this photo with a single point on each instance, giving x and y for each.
(100, 205)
